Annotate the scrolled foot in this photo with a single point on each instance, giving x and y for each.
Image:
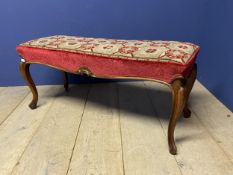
(66, 87)
(33, 105)
(172, 148)
(186, 112)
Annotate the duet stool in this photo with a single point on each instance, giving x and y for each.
(169, 62)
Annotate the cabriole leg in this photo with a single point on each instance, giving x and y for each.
(178, 101)
(66, 81)
(24, 69)
(189, 85)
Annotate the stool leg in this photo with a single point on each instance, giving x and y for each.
(178, 101)
(66, 81)
(24, 69)
(189, 85)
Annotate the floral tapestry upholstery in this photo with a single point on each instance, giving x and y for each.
(164, 51)
(160, 60)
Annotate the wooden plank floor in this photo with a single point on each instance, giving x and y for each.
(112, 129)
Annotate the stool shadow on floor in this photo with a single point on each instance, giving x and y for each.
(158, 98)
(161, 101)
(133, 91)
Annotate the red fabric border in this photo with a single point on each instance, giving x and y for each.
(106, 66)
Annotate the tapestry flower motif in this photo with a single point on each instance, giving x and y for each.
(150, 50)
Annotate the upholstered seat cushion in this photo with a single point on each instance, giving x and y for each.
(161, 60)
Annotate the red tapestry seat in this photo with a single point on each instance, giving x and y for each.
(160, 60)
